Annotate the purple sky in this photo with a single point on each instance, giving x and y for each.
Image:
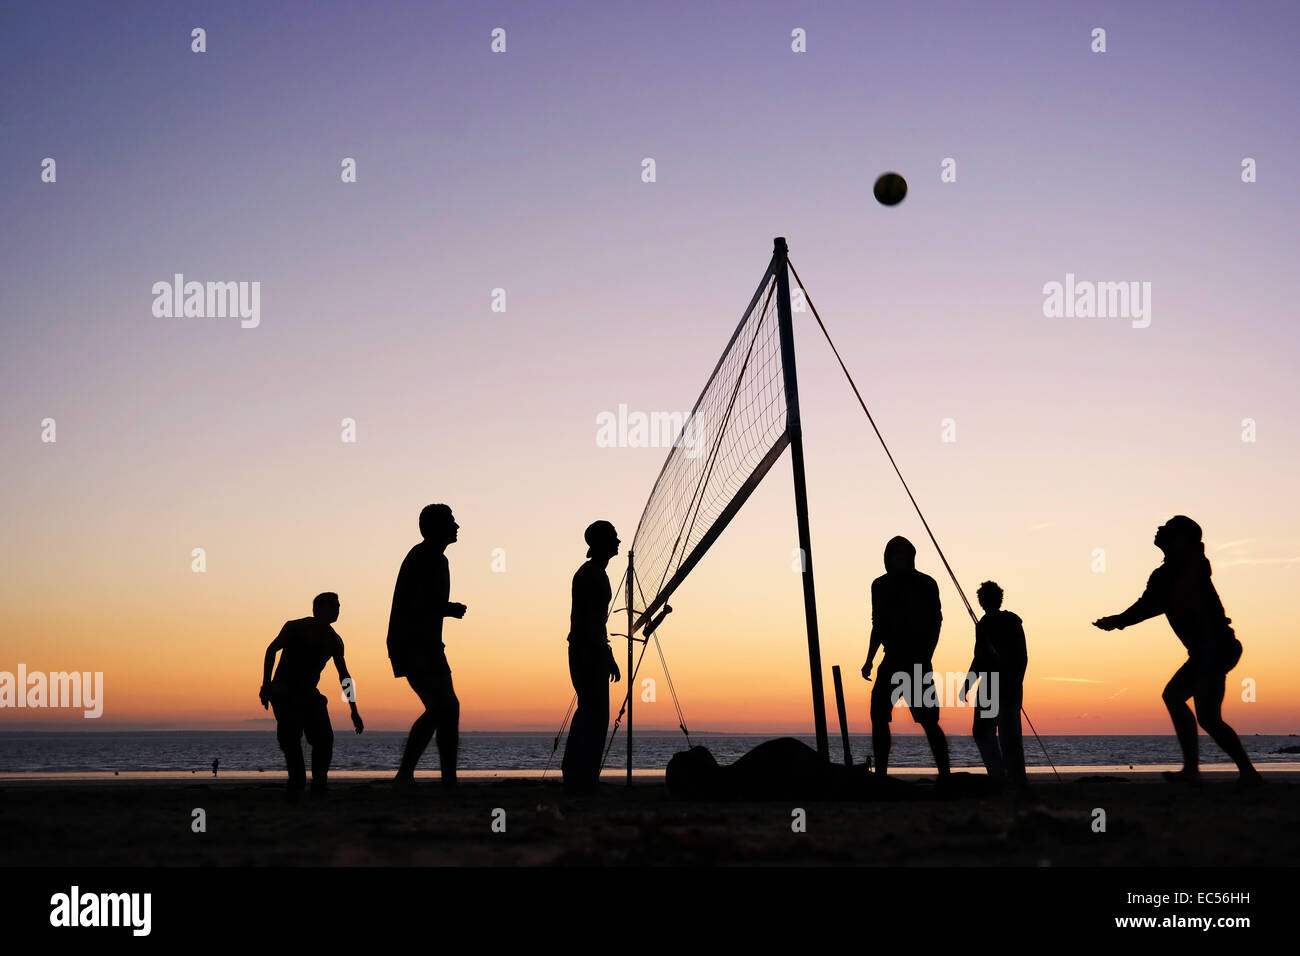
(522, 171)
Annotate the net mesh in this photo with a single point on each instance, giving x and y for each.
(734, 433)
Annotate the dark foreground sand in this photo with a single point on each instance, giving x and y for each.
(1148, 823)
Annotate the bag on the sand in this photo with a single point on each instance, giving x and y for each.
(774, 770)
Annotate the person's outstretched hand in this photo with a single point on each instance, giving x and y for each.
(456, 610)
(1109, 623)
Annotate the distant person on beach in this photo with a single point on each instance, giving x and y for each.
(905, 621)
(305, 647)
(591, 661)
(216, 761)
(1181, 590)
(999, 661)
(415, 648)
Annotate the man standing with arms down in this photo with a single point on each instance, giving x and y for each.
(305, 647)
(591, 661)
(415, 644)
(905, 620)
(1000, 661)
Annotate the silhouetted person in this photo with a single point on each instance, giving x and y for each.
(216, 761)
(305, 646)
(1182, 591)
(591, 662)
(905, 620)
(999, 650)
(415, 644)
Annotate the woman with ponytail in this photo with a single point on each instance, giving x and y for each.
(1181, 590)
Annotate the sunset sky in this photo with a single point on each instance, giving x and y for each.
(523, 171)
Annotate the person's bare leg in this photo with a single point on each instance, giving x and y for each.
(1176, 692)
(880, 742)
(422, 731)
(294, 759)
(1209, 713)
(938, 746)
(448, 732)
(880, 710)
(288, 734)
(320, 735)
(927, 716)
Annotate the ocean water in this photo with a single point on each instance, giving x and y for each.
(379, 751)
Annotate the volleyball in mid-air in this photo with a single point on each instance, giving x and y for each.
(890, 189)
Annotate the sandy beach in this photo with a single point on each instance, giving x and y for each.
(523, 821)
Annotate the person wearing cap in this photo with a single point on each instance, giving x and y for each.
(905, 621)
(1182, 591)
(592, 667)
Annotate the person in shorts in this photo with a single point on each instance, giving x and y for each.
(905, 621)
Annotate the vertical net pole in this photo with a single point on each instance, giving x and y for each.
(630, 664)
(780, 255)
